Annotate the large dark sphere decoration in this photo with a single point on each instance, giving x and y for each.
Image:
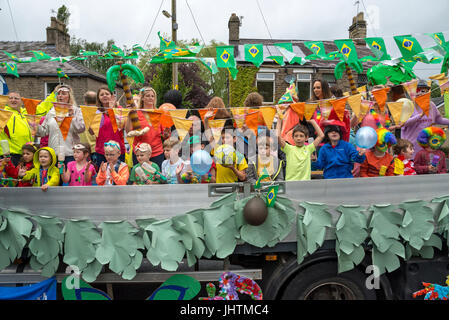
(255, 211)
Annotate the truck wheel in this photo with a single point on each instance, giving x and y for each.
(322, 282)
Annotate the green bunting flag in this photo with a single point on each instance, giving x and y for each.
(347, 48)
(62, 59)
(378, 47)
(210, 64)
(117, 52)
(408, 46)
(254, 54)
(264, 175)
(233, 72)
(317, 47)
(428, 57)
(11, 56)
(165, 43)
(11, 68)
(286, 98)
(61, 73)
(278, 59)
(271, 196)
(138, 48)
(88, 53)
(40, 55)
(225, 57)
(286, 49)
(438, 38)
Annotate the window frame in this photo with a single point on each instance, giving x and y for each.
(273, 81)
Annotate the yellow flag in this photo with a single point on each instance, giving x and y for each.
(268, 114)
(355, 102)
(182, 126)
(4, 118)
(121, 116)
(411, 88)
(178, 113)
(239, 116)
(33, 122)
(4, 100)
(365, 108)
(396, 110)
(362, 91)
(216, 126)
(309, 110)
(88, 115)
(95, 124)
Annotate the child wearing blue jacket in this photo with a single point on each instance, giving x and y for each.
(337, 157)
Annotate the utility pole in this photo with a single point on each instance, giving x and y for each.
(174, 39)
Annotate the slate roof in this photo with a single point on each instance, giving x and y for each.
(43, 68)
(301, 50)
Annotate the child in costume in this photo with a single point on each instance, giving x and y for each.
(378, 161)
(337, 156)
(403, 161)
(145, 172)
(45, 172)
(79, 172)
(431, 160)
(172, 160)
(298, 157)
(265, 163)
(114, 171)
(28, 151)
(185, 173)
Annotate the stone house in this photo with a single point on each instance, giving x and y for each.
(270, 79)
(38, 79)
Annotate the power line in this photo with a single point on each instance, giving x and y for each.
(12, 19)
(369, 18)
(152, 26)
(266, 25)
(194, 20)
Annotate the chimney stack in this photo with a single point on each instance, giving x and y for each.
(234, 30)
(358, 29)
(57, 36)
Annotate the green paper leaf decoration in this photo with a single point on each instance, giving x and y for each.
(351, 233)
(192, 234)
(81, 239)
(301, 244)
(220, 230)
(427, 250)
(316, 219)
(163, 243)
(385, 224)
(119, 247)
(442, 226)
(15, 228)
(46, 245)
(417, 224)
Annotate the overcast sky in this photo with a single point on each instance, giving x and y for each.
(129, 22)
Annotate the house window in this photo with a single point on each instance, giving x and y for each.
(330, 78)
(50, 87)
(265, 86)
(304, 86)
(362, 80)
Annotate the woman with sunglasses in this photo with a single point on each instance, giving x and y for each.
(59, 116)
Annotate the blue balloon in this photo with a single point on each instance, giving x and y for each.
(366, 138)
(201, 162)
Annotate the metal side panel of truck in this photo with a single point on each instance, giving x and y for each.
(276, 268)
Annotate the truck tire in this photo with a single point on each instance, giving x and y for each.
(322, 282)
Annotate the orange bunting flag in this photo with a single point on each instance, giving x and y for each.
(121, 116)
(309, 110)
(30, 105)
(381, 98)
(182, 126)
(203, 112)
(268, 114)
(339, 107)
(252, 121)
(155, 117)
(299, 108)
(291, 119)
(423, 101)
(4, 118)
(113, 120)
(64, 126)
(355, 102)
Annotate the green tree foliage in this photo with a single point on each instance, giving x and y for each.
(435, 89)
(242, 86)
(63, 15)
(93, 63)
